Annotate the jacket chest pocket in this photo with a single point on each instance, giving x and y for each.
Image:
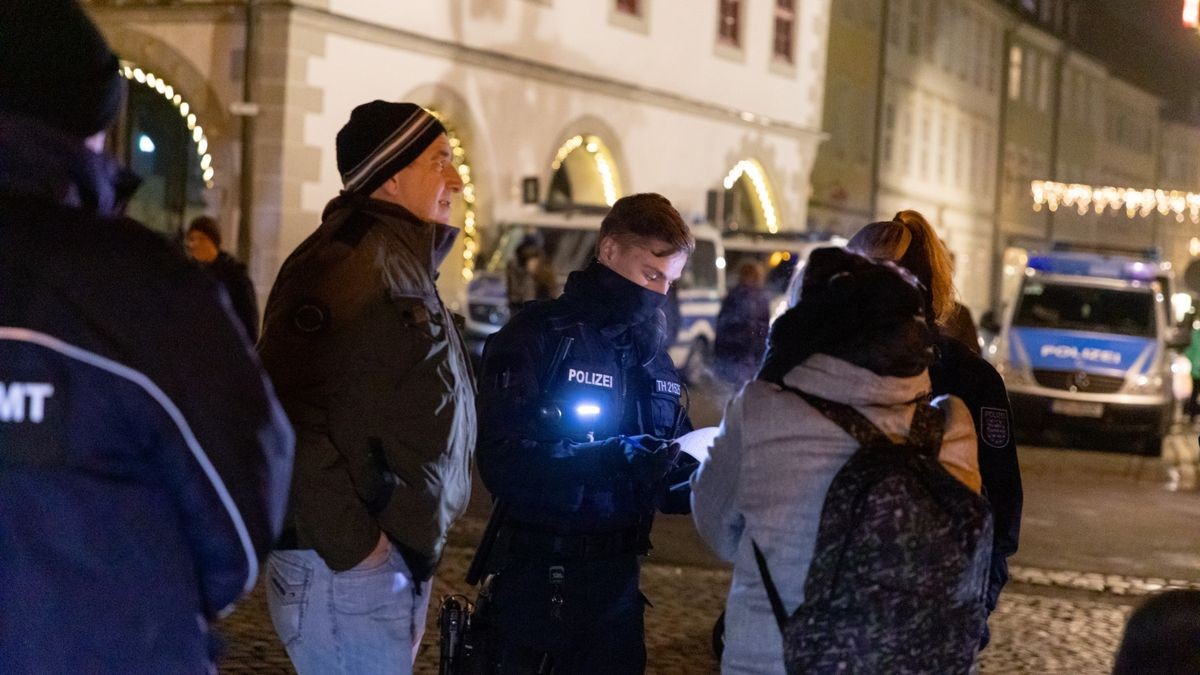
(421, 315)
(665, 413)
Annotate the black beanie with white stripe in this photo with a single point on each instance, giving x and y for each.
(380, 139)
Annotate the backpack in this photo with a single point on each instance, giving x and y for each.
(899, 573)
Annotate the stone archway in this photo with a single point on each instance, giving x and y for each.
(588, 167)
(472, 213)
(162, 77)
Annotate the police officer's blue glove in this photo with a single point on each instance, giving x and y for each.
(648, 458)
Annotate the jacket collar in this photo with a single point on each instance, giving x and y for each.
(844, 382)
(42, 163)
(400, 222)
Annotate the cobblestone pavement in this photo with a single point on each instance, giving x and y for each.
(1046, 622)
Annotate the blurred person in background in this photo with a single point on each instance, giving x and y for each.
(1192, 407)
(203, 242)
(141, 483)
(529, 276)
(911, 242)
(742, 324)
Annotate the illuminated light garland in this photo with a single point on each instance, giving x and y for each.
(1133, 201)
(458, 157)
(160, 86)
(758, 179)
(595, 147)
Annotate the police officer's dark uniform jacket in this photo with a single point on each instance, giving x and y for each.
(143, 458)
(549, 451)
(374, 376)
(959, 371)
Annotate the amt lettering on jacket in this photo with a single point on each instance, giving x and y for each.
(587, 377)
(14, 397)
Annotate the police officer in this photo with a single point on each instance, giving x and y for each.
(578, 402)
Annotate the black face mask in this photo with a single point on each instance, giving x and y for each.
(612, 298)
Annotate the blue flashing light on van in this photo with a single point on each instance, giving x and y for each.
(1086, 345)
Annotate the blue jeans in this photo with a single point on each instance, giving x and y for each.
(358, 621)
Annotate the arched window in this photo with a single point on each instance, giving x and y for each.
(749, 201)
(159, 138)
(584, 173)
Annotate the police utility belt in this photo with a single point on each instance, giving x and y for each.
(529, 542)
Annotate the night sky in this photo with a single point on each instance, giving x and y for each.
(1145, 42)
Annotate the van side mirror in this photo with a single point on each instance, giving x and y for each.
(988, 323)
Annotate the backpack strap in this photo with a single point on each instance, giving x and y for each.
(928, 426)
(769, 584)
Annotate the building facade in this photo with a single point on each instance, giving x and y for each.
(954, 108)
(547, 101)
(912, 110)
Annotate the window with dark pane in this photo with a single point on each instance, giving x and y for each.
(785, 26)
(633, 7)
(729, 27)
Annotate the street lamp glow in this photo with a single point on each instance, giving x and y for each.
(145, 143)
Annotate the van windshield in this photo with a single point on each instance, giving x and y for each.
(701, 269)
(1085, 308)
(566, 250)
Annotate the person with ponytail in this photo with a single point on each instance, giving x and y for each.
(911, 242)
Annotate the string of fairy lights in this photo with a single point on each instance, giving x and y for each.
(462, 164)
(133, 73)
(1133, 201)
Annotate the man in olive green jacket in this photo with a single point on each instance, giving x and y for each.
(373, 373)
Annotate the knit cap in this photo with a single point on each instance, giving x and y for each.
(56, 67)
(380, 139)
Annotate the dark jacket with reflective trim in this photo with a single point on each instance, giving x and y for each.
(959, 371)
(144, 461)
(372, 371)
(533, 431)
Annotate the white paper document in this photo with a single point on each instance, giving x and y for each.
(698, 442)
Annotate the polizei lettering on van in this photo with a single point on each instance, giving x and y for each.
(1086, 354)
(21, 401)
(587, 377)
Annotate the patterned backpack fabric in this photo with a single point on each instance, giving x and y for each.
(899, 573)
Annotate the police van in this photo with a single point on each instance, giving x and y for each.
(568, 239)
(1086, 345)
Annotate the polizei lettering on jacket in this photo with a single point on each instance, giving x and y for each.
(588, 377)
(1086, 354)
(21, 401)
